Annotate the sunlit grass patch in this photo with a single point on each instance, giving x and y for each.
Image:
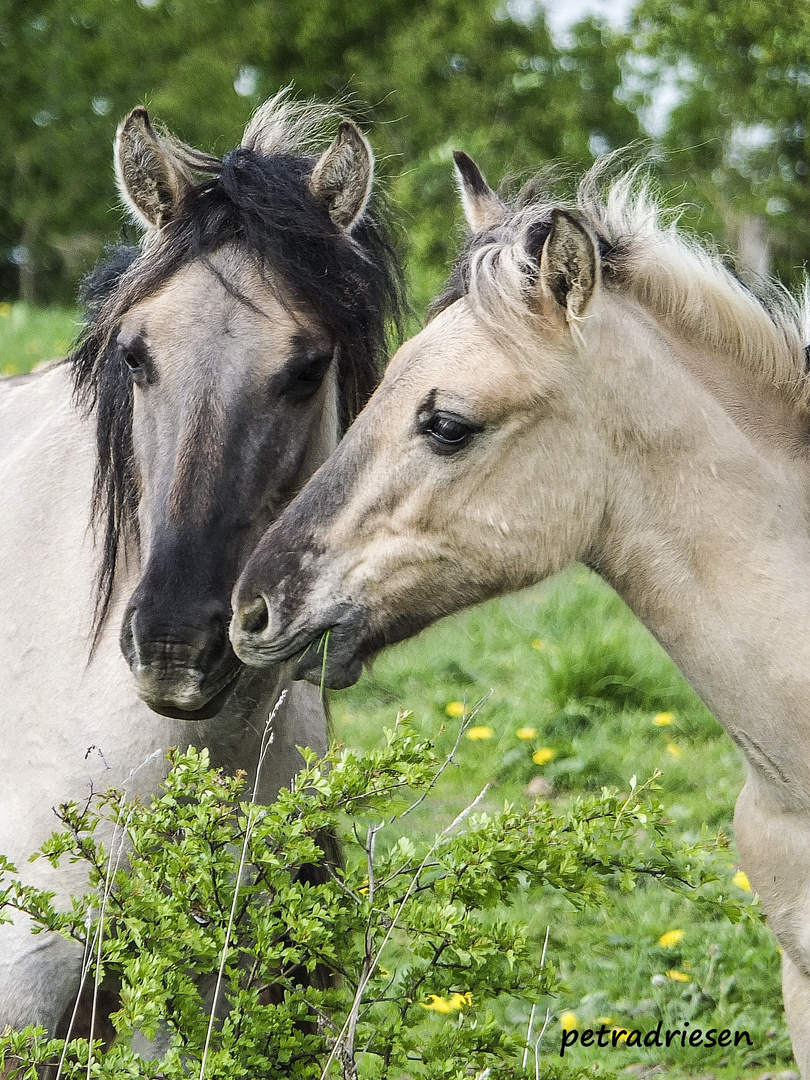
(601, 694)
(31, 336)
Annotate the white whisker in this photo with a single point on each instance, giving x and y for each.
(537, 1045)
(369, 966)
(267, 741)
(534, 1006)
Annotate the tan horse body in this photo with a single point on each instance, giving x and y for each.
(595, 388)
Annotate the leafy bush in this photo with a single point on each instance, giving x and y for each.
(244, 961)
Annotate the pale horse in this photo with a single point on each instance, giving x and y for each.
(220, 360)
(592, 386)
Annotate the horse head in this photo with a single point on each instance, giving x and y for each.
(424, 509)
(223, 356)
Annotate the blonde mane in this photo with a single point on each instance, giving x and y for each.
(683, 283)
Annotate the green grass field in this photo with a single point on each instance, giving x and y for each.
(30, 336)
(577, 683)
(578, 696)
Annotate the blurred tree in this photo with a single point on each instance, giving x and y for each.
(461, 75)
(433, 75)
(69, 70)
(741, 76)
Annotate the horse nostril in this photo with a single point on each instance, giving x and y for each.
(254, 616)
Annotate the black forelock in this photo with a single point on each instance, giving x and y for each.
(260, 204)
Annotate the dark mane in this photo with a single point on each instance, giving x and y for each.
(262, 205)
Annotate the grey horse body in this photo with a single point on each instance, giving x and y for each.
(220, 359)
(70, 725)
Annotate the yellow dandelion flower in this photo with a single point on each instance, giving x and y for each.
(537, 644)
(740, 879)
(675, 750)
(479, 733)
(459, 1001)
(662, 719)
(678, 976)
(543, 755)
(620, 1034)
(569, 1021)
(383, 973)
(526, 733)
(455, 708)
(438, 1004)
(5, 310)
(606, 1020)
(670, 939)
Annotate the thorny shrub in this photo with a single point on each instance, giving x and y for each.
(387, 965)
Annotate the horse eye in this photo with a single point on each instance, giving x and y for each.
(304, 381)
(448, 433)
(314, 372)
(136, 364)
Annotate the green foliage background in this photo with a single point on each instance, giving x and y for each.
(427, 77)
(430, 76)
(216, 884)
(571, 671)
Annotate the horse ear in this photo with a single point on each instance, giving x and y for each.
(569, 265)
(341, 180)
(482, 207)
(150, 177)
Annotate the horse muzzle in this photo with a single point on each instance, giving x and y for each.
(186, 695)
(329, 651)
(185, 676)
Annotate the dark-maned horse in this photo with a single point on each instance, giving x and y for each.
(593, 386)
(220, 361)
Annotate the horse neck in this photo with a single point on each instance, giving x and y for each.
(706, 537)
